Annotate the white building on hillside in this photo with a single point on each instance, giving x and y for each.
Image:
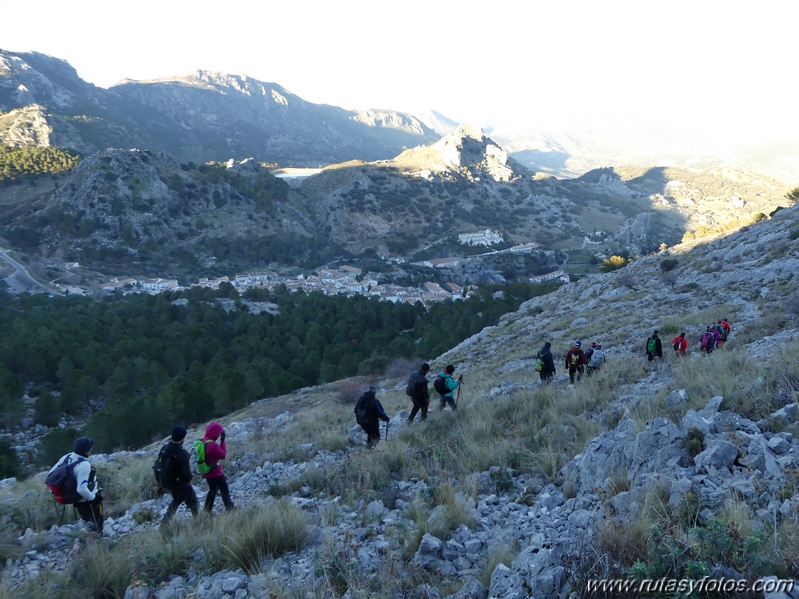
(487, 237)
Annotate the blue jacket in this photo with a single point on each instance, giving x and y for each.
(450, 383)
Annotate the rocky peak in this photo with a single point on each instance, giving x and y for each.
(466, 151)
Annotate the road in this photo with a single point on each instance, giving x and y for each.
(21, 280)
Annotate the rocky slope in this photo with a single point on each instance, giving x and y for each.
(201, 116)
(709, 439)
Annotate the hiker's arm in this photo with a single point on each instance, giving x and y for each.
(82, 472)
(215, 451)
(380, 412)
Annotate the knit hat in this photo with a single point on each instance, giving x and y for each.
(593, 344)
(578, 343)
(372, 389)
(83, 445)
(178, 433)
(656, 332)
(449, 369)
(425, 367)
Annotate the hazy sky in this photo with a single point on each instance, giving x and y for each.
(721, 68)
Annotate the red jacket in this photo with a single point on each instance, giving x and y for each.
(575, 350)
(214, 451)
(683, 344)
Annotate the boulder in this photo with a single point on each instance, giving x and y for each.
(718, 455)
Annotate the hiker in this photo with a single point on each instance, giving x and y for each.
(654, 347)
(719, 328)
(716, 336)
(575, 361)
(90, 503)
(727, 326)
(419, 393)
(589, 352)
(215, 477)
(446, 385)
(597, 359)
(177, 475)
(707, 341)
(545, 363)
(679, 344)
(368, 410)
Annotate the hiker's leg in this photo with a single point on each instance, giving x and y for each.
(442, 402)
(224, 491)
(209, 499)
(572, 370)
(92, 513)
(451, 402)
(424, 411)
(173, 507)
(414, 411)
(190, 497)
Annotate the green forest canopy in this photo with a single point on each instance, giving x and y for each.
(150, 363)
(32, 160)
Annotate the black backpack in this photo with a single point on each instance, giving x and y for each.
(63, 484)
(440, 385)
(361, 413)
(162, 469)
(409, 388)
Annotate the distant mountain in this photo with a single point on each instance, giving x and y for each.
(571, 150)
(198, 117)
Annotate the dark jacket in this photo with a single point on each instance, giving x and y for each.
(372, 406)
(214, 451)
(545, 355)
(179, 470)
(419, 387)
(658, 346)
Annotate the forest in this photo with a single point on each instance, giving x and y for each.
(18, 162)
(137, 365)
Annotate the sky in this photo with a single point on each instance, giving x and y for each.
(718, 69)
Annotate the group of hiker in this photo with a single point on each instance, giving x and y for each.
(577, 362)
(73, 480)
(369, 411)
(714, 337)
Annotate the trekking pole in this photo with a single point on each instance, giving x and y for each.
(458, 398)
(387, 423)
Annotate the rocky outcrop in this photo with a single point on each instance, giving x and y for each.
(633, 234)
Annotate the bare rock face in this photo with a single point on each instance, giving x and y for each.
(35, 126)
(634, 232)
(466, 152)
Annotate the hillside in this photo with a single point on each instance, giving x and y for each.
(682, 468)
(198, 117)
(147, 213)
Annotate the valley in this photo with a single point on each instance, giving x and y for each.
(213, 247)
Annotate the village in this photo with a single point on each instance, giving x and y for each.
(345, 280)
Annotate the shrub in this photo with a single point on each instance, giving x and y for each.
(668, 264)
(693, 441)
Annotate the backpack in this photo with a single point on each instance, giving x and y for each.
(162, 469)
(652, 345)
(202, 466)
(706, 337)
(411, 385)
(63, 484)
(440, 385)
(539, 364)
(597, 359)
(676, 345)
(574, 360)
(361, 412)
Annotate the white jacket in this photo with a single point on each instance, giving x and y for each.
(81, 471)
